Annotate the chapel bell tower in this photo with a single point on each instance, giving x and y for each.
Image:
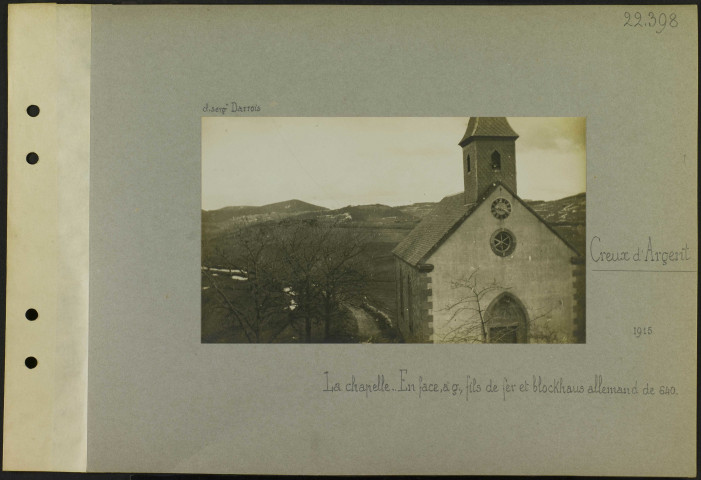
(488, 155)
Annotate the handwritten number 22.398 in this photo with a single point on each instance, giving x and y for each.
(661, 20)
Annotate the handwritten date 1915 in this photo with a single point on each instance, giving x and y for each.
(659, 21)
(640, 331)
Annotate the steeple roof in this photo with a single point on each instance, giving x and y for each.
(487, 127)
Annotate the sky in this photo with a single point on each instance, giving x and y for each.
(337, 161)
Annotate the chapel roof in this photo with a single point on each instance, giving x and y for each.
(487, 127)
(443, 220)
(433, 228)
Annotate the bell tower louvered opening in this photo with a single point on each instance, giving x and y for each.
(489, 155)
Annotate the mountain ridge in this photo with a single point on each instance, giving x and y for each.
(292, 206)
(562, 211)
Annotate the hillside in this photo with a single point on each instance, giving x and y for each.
(565, 210)
(418, 210)
(289, 207)
(569, 209)
(374, 213)
(567, 216)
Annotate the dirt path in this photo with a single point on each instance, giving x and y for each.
(367, 328)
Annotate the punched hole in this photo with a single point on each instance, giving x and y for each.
(32, 110)
(31, 362)
(32, 158)
(31, 314)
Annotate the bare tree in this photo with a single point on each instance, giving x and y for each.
(470, 321)
(296, 273)
(342, 272)
(254, 296)
(298, 260)
(324, 267)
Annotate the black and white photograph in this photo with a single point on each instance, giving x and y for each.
(393, 230)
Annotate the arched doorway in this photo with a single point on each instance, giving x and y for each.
(506, 320)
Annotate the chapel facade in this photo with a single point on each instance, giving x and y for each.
(484, 267)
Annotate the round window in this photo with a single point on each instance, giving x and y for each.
(503, 242)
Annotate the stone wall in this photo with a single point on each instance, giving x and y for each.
(414, 303)
(580, 304)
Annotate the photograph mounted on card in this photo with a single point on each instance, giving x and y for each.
(352, 240)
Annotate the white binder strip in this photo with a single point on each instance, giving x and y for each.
(45, 417)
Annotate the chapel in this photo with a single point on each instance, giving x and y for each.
(483, 266)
